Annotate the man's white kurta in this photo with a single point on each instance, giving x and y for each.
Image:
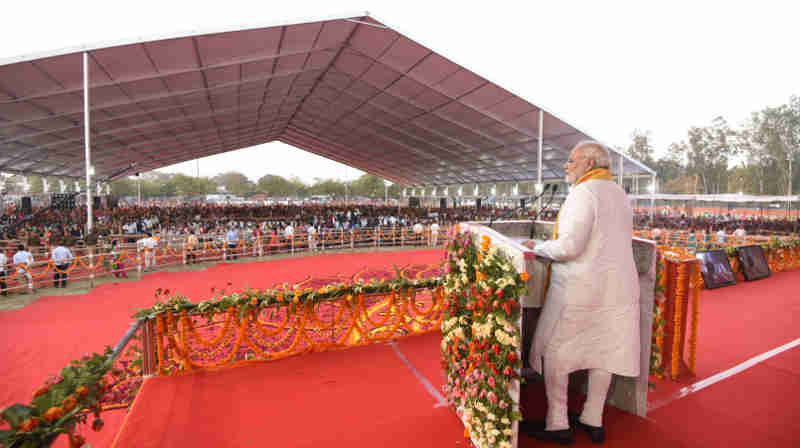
(590, 318)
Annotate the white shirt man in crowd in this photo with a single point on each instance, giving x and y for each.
(434, 234)
(232, 238)
(288, 232)
(721, 235)
(3, 263)
(62, 258)
(23, 260)
(148, 246)
(590, 317)
(312, 237)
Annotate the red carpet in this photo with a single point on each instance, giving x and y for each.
(359, 397)
(369, 397)
(40, 339)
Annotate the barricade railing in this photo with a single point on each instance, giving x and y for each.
(93, 262)
(250, 328)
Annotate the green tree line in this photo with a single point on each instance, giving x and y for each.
(156, 184)
(759, 157)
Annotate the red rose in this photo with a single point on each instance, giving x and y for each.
(499, 293)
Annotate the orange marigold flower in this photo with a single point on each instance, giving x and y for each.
(69, 403)
(29, 424)
(280, 298)
(524, 276)
(254, 301)
(82, 391)
(53, 413)
(480, 276)
(41, 391)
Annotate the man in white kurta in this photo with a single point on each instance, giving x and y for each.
(590, 318)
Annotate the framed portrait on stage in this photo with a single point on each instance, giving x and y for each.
(716, 269)
(754, 263)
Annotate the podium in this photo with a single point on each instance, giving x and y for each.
(626, 393)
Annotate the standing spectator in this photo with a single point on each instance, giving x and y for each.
(434, 234)
(233, 240)
(116, 261)
(62, 259)
(312, 237)
(23, 261)
(192, 244)
(148, 245)
(3, 262)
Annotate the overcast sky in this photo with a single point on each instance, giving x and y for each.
(605, 67)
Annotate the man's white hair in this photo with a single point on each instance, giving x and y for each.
(596, 151)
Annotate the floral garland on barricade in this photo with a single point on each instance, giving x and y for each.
(60, 405)
(262, 325)
(678, 284)
(481, 338)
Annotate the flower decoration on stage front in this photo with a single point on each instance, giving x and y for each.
(481, 338)
(60, 405)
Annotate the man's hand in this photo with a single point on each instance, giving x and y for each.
(530, 244)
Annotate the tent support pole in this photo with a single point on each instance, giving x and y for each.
(539, 164)
(87, 144)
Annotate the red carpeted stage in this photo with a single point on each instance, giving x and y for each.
(388, 395)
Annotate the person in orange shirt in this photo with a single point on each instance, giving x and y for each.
(273, 241)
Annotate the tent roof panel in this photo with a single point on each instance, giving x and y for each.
(347, 88)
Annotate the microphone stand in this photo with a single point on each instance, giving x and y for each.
(542, 209)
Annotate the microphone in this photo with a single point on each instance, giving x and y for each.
(550, 199)
(539, 212)
(507, 214)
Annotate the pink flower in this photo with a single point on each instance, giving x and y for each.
(483, 393)
(473, 391)
(492, 382)
(492, 397)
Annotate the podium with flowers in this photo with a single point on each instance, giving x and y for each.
(491, 282)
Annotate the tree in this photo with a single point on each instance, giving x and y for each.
(328, 187)
(125, 186)
(192, 186)
(236, 183)
(640, 148)
(368, 185)
(275, 186)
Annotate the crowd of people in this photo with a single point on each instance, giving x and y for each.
(211, 218)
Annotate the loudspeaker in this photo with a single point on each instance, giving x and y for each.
(413, 202)
(478, 203)
(442, 203)
(112, 201)
(96, 205)
(27, 207)
(522, 203)
(62, 201)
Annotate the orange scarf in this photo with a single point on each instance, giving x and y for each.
(597, 173)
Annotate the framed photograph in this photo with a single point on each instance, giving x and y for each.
(716, 269)
(754, 263)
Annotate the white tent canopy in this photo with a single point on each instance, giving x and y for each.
(349, 89)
